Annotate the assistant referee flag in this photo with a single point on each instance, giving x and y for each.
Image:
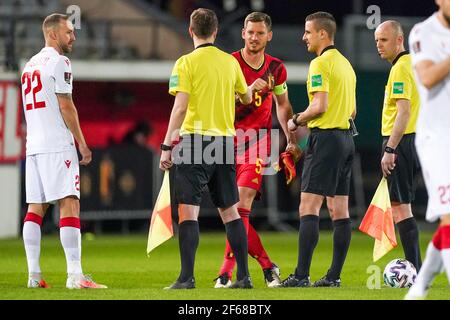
(379, 223)
(161, 228)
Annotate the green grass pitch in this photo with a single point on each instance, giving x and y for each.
(121, 263)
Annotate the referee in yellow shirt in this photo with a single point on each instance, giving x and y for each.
(399, 162)
(329, 154)
(204, 83)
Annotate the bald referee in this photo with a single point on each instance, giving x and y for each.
(329, 154)
(399, 162)
(204, 83)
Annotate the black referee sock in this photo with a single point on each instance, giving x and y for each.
(237, 238)
(341, 242)
(409, 235)
(307, 241)
(188, 237)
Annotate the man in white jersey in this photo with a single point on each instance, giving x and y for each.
(430, 51)
(52, 168)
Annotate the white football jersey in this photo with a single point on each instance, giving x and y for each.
(430, 40)
(45, 75)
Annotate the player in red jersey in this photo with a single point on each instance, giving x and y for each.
(253, 123)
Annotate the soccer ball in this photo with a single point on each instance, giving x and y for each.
(399, 273)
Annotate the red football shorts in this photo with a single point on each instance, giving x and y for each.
(250, 175)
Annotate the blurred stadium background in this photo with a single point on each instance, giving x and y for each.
(122, 60)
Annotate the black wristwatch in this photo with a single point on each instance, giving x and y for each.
(165, 147)
(389, 150)
(294, 119)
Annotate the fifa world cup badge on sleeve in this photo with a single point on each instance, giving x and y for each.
(67, 77)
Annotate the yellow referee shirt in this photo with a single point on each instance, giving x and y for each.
(331, 72)
(400, 85)
(210, 77)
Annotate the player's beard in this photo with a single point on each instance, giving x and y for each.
(66, 48)
(257, 49)
(447, 19)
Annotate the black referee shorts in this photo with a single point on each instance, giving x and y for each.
(328, 162)
(205, 162)
(401, 182)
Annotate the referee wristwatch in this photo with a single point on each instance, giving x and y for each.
(294, 119)
(165, 147)
(389, 150)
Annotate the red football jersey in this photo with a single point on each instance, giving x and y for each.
(258, 114)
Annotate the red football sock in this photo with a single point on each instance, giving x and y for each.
(229, 260)
(256, 249)
(244, 213)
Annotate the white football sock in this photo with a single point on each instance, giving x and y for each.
(32, 242)
(431, 267)
(71, 242)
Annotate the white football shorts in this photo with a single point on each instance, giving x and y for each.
(52, 176)
(434, 158)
